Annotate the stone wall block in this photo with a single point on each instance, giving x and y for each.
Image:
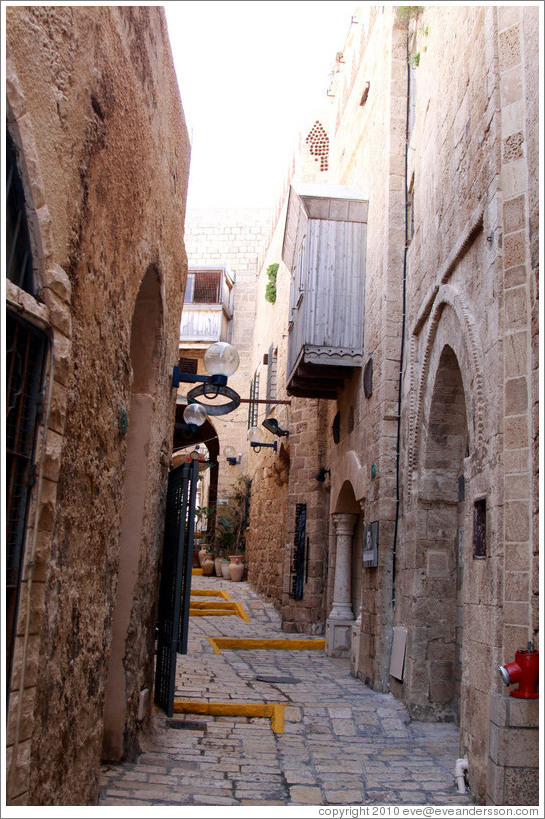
(42, 551)
(511, 86)
(62, 357)
(516, 396)
(512, 147)
(45, 224)
(516, 432)
(509, 48)
(508, 16)
(57, 413)
(514, 214)
(31, 663)
(521, 786)
(52, 459)
(37, 606)
(514, 174)
(517, 586)
(516, 557)
(514, 249)
(515, 638)
(513, 747)
(56, 279)
(18, 776)
(46, 513)
(33, 175)
(517, 521)
(26, 720)
(14, 92)
(516, 613)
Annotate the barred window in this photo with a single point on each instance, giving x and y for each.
(18, 248)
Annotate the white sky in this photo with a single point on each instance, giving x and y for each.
(248, 73)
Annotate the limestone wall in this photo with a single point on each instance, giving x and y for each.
(234, 239)
(95, 109)
(462, 199)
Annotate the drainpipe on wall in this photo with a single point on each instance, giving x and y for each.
(403, 322)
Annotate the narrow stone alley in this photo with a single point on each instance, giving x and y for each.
(330, 740)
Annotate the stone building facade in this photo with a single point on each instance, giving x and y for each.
(230, 239)
(400, 515)
(99, 159)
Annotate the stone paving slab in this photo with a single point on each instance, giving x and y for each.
(342, 744)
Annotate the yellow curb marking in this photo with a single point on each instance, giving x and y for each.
(217, 607)
(274, 711)
(196, 571)
(218, 643)
(210, 613)
(211, 593)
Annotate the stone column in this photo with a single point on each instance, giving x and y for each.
(341, 617)
(356, 627)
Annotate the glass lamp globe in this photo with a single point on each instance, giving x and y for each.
(221, 359)
(229, 452)
(255, 435)
(195, 414)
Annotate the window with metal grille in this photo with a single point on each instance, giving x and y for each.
(479, 528)
(271, 378)
(253, 416)
(204, 287)
(26, 348)
(188, 365)
(18, 248)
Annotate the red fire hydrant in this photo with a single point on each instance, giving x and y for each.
(525, 672)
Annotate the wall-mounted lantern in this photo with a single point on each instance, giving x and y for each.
(255, 436)
(231, 456)
(221, 360)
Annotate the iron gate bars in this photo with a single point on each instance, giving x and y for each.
(175, 588)
(26, 349)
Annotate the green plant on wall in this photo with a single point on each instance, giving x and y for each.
(232, 522)
(270, 289)
(408, 12)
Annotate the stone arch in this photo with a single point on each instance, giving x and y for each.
(450, 322)
(348, 469)
(346, 527)
(146, 352)
(435, 644)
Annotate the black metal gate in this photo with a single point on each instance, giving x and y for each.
(175, 589)
(26, 349)
(299, 560)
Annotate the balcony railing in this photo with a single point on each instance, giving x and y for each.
(324, 248)
(208, 306)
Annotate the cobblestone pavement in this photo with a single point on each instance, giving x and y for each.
(342, 744)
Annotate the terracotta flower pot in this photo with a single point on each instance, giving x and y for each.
(208, 565)
(204, 554)
(225, 569)
(236, 567)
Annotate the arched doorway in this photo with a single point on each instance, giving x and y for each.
(184, 441)
(145, 359)
(346, 603)
(438, 605)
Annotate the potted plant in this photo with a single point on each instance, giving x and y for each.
(203, 515)
(231, 527)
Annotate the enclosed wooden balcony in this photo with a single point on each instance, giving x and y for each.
(324, 248)
(208, 306)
